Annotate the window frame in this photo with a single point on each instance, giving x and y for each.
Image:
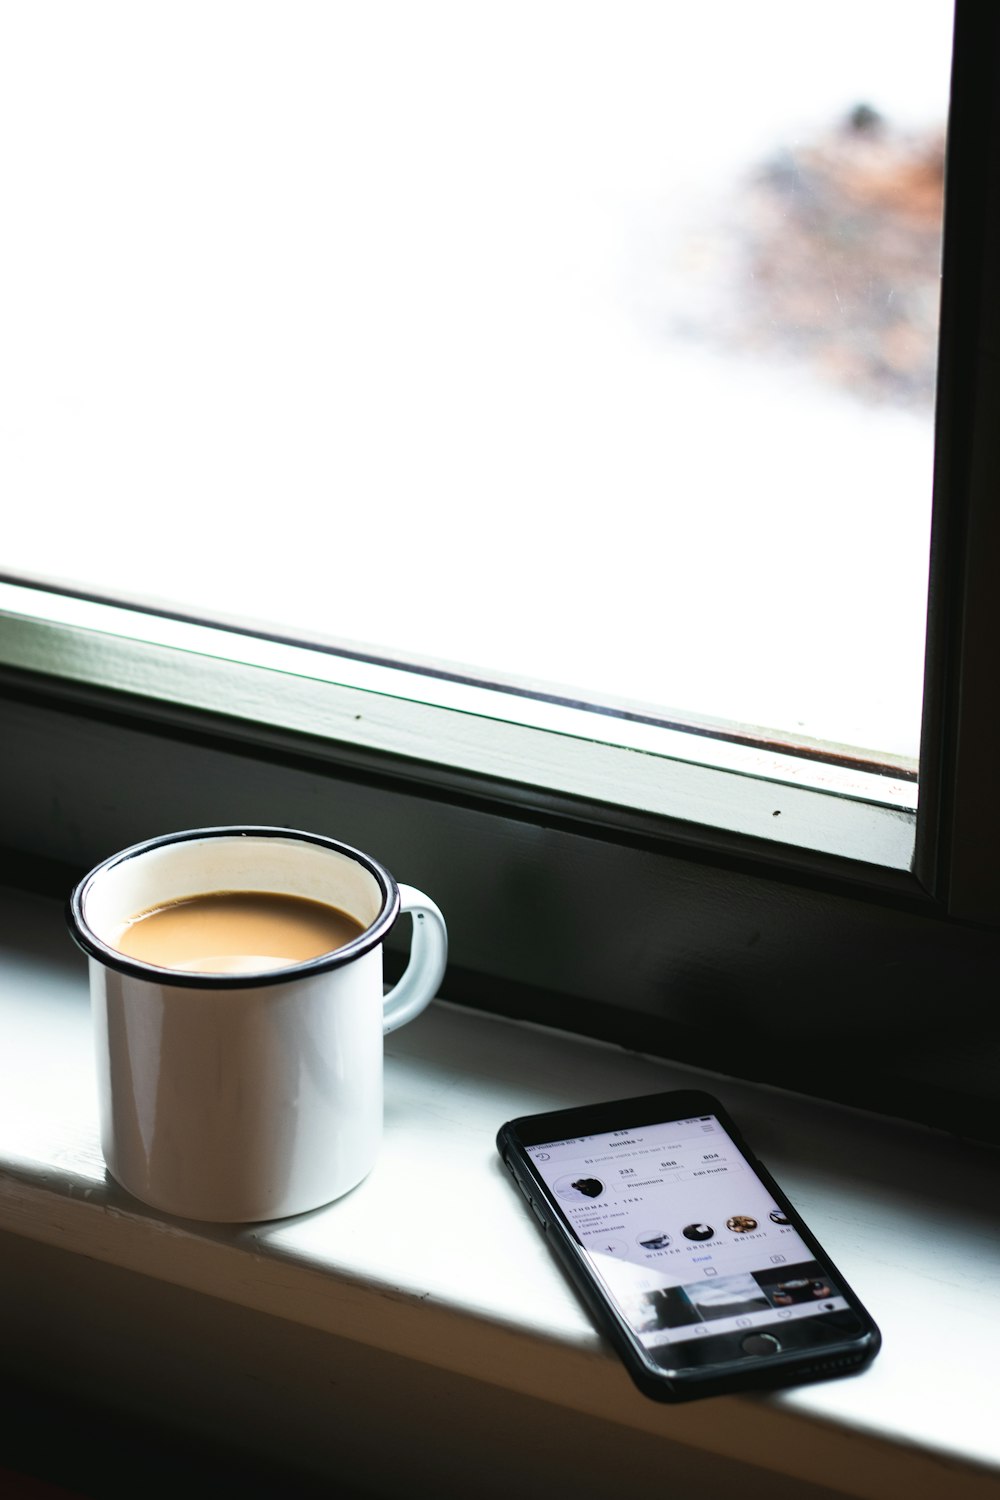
(444, 733)
(684, 907)
(958, 823)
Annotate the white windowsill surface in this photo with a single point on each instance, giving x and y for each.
(910, 1216)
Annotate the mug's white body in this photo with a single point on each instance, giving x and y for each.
(247, 1095)
(240, 1104)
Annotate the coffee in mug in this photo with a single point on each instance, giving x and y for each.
(239, 1009)
(236, 932)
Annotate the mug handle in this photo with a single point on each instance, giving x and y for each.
(428, 957)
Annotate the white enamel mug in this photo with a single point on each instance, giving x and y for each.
(239, 1097)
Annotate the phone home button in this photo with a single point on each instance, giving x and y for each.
(761, 1343)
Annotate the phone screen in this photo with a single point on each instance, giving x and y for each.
(685, 1237)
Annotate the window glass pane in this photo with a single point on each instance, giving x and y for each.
(582, 345)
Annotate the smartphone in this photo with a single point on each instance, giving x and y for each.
(686, 1251)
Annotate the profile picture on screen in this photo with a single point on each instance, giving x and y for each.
(579, 1189)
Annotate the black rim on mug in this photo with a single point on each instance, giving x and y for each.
(95, 947)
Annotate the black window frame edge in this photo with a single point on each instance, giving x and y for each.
(958, 827)
(703, 933)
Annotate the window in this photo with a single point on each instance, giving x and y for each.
(542, 344)
(760, 947)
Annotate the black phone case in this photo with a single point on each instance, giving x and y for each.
(762, 1373)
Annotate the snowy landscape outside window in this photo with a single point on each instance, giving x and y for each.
(586, 349)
